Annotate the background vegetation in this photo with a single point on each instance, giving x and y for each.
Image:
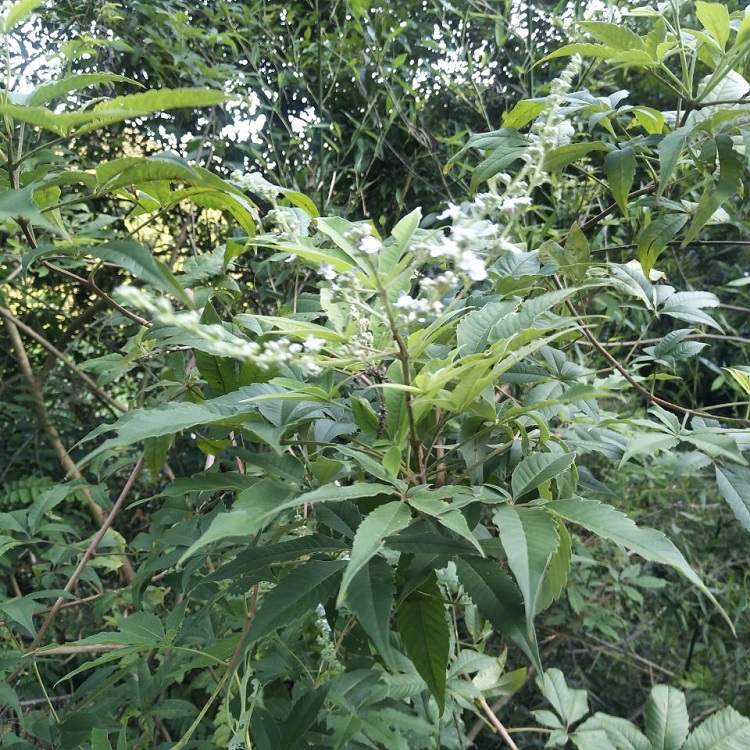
(340, 342)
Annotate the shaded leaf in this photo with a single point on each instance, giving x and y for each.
(425, 635)
(370, 538)
(498, 600)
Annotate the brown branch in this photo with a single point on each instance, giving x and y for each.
(74, 325)
(615, 363)
(92, 287)
(49, 429)
(78, 572)
(56, 353)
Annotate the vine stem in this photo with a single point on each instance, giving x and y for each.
(78, 572)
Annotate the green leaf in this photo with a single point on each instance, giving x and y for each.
(670, 149)
(370, 538)
(571, 705)
(725, 730)
(715, 20)
(741, 376)
(19, 205)
(557, 572)
(585, 49)
(253, 565)
(19, 12)
(302, 715)
(734, 485)
(128, 107)
(654, 237)
(296, 595)
(612, 524)
(100, 739)
(425, 635)
(558, 158)
(730, 171)
(523, 113)
(623, 734)
(613, 35)
(370, 598)
(619, 167)
(499, 601)
(529, 537)
(537, 469)
(48, 91)
(251, 510)
(138, 260)
(666, 718)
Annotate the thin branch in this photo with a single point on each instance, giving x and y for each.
(78, 572)
(55, 352)
(49, 429)
(647, 395)
(496, 724)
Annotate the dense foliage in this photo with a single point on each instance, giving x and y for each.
(328, 422)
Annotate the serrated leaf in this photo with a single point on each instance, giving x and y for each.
(725, 730)
(370, 598)
(537, 469)
(570, 704)
(499, 601)
(666, 718)
(139, 261)
(529, 537)
(253, 565)
(473, 330)
(370, 538)
(741, 375)
(652, 545)
(425, 635)
(20, 205)
(302, 715)
(48, 91)
(557, 571)
(619, 167)
(623, 734)
(296, 595)
(127, 107)
(734, 485)
(256, 506)
(613, 35)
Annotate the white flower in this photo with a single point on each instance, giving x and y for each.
(473, 265)
(327, 271)
(314, 344)
(510, 204)
(370, 245)
(453, 212)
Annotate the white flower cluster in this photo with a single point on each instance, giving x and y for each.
(223, 343)
(287, 222)
(554, 130)
(411, 310)
(360, 344)
(362, 236)
(255, 183)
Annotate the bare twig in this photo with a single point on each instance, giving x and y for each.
(496, 724)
